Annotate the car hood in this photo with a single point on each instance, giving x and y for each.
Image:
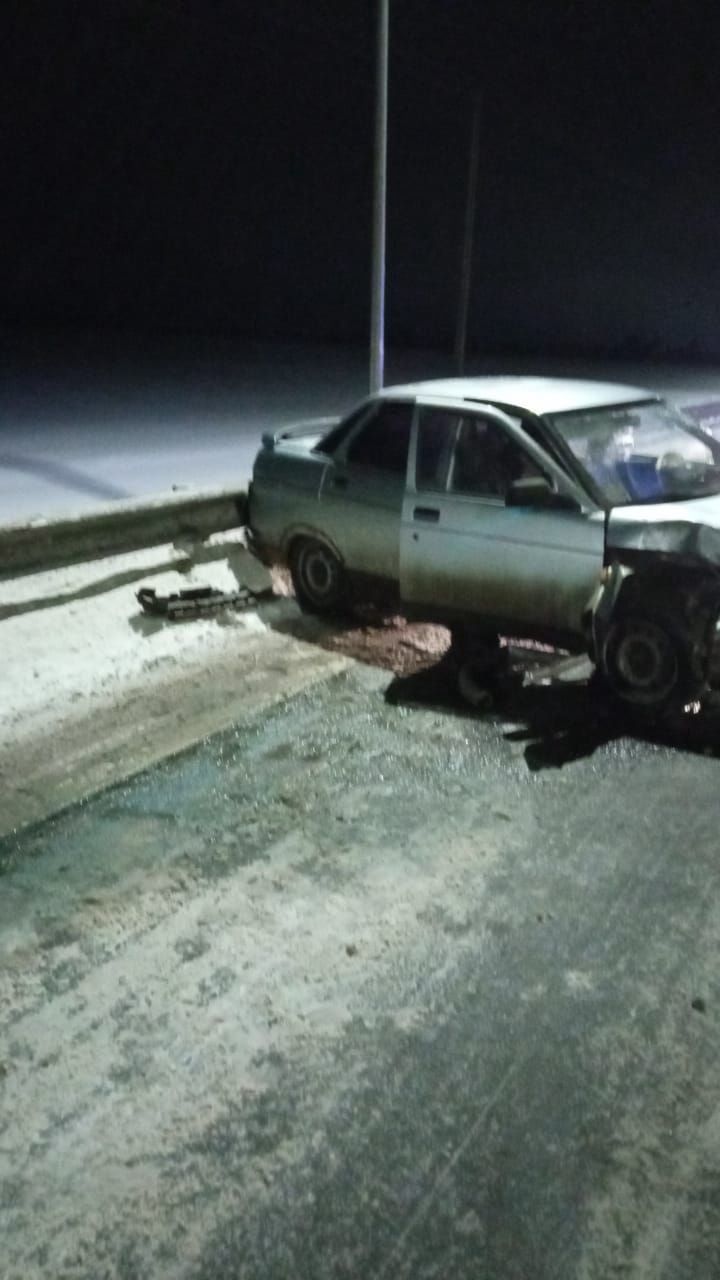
(690, 529)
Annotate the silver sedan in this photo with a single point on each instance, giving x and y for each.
(580, 513)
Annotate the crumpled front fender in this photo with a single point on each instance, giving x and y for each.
(660, 585)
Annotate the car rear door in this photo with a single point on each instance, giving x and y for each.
(362, 490)
(463, 550)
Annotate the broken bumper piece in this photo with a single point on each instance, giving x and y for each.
(197, 601)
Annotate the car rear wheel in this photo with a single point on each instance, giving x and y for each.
(318, 576)
(646, 660)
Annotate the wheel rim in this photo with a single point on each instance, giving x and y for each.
(642, 661)
(318, 572)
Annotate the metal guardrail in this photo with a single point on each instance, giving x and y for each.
(118, 527)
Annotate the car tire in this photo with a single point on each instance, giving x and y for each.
(318, 576)
(646, 661)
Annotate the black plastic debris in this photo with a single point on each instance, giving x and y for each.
(197, 601)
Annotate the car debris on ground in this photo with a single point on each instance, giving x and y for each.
(198, 600)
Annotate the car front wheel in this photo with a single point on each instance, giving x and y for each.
(646, 660)
(317, 575)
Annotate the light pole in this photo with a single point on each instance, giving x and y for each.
(377, 309)
(468, 236)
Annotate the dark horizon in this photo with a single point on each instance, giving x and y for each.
(185, 169)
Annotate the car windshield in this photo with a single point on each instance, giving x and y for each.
(643, 452)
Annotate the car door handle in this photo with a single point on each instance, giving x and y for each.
(430, 515)
(340, 482)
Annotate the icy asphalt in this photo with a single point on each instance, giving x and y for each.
(368, 986)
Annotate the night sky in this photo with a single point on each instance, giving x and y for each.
(206, 166)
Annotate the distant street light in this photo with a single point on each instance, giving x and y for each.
(377, 310)
(468, 236)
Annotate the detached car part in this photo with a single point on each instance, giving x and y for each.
(197, 601)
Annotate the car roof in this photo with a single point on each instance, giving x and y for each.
(536, 395)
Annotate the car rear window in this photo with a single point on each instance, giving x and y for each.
(383, 442)
(336, 435)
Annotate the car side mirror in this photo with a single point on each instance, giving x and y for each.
(535, 492)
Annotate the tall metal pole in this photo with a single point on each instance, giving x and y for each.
(467, 252)
(377, 310)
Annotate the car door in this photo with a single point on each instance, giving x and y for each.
(362, 490)
(463, 550)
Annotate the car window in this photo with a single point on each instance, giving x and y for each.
(437, 431)
(336, 435)
(487, 460)
(384, 440)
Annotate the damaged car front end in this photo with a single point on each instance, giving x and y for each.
(654, 619)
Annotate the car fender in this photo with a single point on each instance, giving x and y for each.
(296, 531)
